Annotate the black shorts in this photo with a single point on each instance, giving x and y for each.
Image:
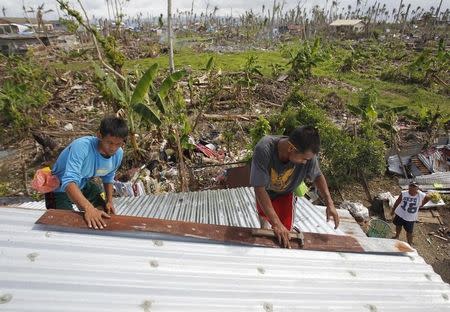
(407, 225)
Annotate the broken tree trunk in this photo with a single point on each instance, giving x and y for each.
(365, 185)
(397, 151)
(181, 165)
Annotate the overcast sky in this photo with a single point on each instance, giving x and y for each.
(155, 7)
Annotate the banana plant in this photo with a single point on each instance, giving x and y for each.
(142, 101)
(306, 59)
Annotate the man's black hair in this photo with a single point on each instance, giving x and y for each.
(305, 138)
(114, 126)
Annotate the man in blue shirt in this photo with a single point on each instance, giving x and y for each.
(83, 159)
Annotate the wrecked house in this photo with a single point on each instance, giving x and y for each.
(20, 43)
(9, 29)
(18, 34)
(29, 23)
(348, 26)
(429, 167)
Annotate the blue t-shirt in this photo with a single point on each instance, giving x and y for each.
(81, 161)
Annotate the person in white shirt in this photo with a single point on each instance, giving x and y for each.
(406, 210)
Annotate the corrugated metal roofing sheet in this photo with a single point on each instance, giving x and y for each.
(233, 207)
(39, 205)
(46, 270)
(430, 179)
(223, 207)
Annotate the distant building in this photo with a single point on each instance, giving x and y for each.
(9, 29)
(345, 26)
(20, 43)
(17, 35)
(22, 22)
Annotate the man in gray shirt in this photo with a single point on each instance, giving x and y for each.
(279, 165)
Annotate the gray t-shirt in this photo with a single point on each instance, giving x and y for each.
(277, 177)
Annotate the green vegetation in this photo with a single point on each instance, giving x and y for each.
(4, 189)
(186, 57)
(305, 59)
(260, 129)
(25, 88)
(347, 70)
(341, 153)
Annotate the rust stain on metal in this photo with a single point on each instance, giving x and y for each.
(403, 247)
(220, 233)
(238, 177)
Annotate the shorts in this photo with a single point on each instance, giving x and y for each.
(60, 200)
(407, 225)
(284, 208)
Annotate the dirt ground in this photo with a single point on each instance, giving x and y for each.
(435, 251)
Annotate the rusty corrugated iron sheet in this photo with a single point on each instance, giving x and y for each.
(219, 233)
(233, 207)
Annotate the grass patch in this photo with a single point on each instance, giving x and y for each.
(229, 62)
(390, 93)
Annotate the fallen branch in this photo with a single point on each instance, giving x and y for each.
(443, 238)
(226, 102)
(270, 103)
(440, 80)
(229, 117)
(217, 165)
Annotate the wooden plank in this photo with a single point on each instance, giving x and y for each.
(220, 233)
(435, 213)
(427, 216)
(428, 220)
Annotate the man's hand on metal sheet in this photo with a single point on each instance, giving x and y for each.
(93, 218)
(109, 208)
(282, 235)
(331, 212)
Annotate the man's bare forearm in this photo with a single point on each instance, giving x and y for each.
(397, 202)
(108, 191)
(322, 187)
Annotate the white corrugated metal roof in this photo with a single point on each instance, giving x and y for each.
(430, 179)
(342, 22)
(232, 207)
(46, 270)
